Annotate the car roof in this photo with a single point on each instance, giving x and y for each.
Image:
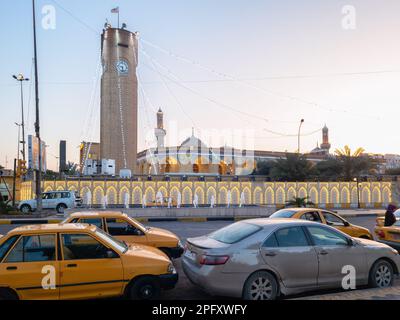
(266, 222)
(45, 228)
(301, 209)
(98, 214)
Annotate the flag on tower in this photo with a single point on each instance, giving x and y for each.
(115, 10)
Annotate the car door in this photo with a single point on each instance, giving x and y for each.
(337, 222)
(31, 267)
(125, 230)
(290, 254)
(335, 252)
(46, 200)
(88, 270)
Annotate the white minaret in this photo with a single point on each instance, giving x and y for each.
(160, 131)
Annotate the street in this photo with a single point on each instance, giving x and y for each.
(185, 290)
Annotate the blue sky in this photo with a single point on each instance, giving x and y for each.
(291, 60)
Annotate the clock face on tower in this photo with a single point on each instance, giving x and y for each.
(122, 67)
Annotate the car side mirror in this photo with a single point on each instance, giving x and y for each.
(110, 254)
(346, 224)
(351, 242)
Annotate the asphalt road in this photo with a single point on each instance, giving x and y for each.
(185, 290)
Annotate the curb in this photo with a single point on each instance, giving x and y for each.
(185, 219)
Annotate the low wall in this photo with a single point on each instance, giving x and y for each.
(263, 211)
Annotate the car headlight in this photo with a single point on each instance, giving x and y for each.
(171, 268)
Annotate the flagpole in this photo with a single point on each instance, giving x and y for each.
(118, 18)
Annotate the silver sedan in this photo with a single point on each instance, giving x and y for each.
(260, 259)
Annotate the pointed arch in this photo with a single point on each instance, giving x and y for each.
(48, 189)
(222, 195)
(163, 191)
(235, 196)
(291, 194)
(98, 195)
(200, 194)
(386, 195)
(280, 196)
(269, 196)
(335, 195)
(150, 194)
(247, 195)
(112, 195)
(258, 196)
(345, 195)
(354, 195)
(376, 195)
(211, 192)
(187, 196)
(314, 195)
(84, 191)
(122, 192)
(302, 192)
(174, 194)
(324, 196)
(137, 195)
(366, 195)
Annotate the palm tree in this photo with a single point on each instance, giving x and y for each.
(354, 163)
(295, 167)
(299, 202)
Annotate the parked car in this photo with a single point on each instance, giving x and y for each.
(92, 264)
(260, 259)
(59, 200)
(389, 235)
(326, 217)
(127, 229)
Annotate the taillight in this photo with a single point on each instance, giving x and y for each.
(381, 234)
(213, 260)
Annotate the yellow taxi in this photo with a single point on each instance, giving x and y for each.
(388, 235)
(79, 261)
(326, 217)
(127, 229)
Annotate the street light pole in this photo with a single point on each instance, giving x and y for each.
(358, 193)
(20, 78)
(37, 123)
(298, 136)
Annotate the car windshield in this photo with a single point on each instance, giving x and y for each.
(234, 232)
(119, 245)
(283, 214)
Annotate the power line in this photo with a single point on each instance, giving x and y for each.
(269, 92)
(215, 101)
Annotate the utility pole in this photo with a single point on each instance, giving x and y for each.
(298, 136)
(37, 123)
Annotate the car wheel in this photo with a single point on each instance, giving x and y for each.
(7, 294)
(26, 208)
(61, 207)
(145, 288)
(381, 274)
(260, 286)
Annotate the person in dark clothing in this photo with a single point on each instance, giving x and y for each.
(390, 218)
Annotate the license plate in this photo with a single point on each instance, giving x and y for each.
(190, 255)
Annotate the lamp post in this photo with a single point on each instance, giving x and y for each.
(20, 78)
(37, 123)
(358, 193)
(298, 136)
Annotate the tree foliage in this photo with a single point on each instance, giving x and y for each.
(294, 168)
(299, 202)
